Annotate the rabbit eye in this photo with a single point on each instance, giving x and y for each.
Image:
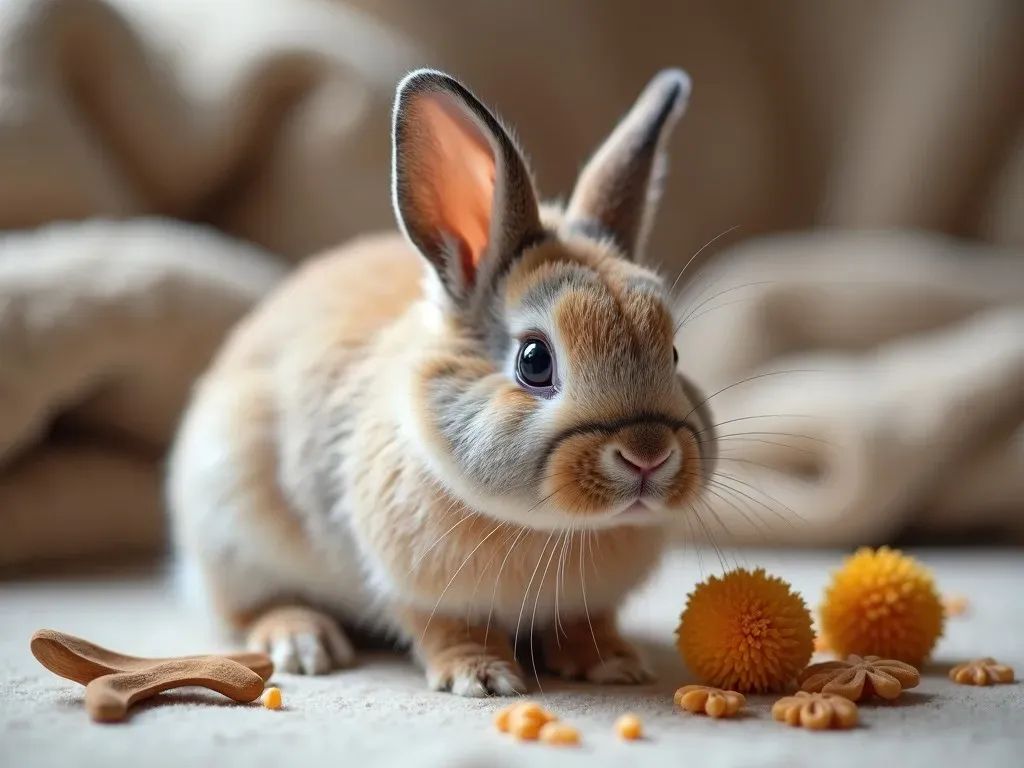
(535, 365)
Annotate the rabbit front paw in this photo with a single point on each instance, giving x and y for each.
(301, 641)
(476, 675)
(592, 649)
(464, 659)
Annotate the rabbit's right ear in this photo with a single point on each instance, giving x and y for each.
(618, 189)
(462, 193)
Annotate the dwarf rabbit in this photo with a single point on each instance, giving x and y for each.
(466, 433)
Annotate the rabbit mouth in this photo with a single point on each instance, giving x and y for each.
(630, 475)
(637, 507)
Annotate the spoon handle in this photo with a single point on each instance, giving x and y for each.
(79, 660)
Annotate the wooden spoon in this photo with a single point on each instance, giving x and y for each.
(79, 660)
(108, 698)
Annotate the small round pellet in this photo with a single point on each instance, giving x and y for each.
(629, 727)
(559, 734)
(501, 719)
(525, 720)
(272, 698)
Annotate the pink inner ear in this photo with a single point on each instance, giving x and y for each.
(459, 164)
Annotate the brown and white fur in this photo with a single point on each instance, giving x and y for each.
(366, 452)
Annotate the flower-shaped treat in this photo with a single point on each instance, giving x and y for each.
(859, 678)
(701, 699)
(985, 671)
(817, 711)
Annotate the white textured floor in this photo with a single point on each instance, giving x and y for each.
(381, 713)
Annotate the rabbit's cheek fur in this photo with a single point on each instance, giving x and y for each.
(484, 425)
(685, 485)
(575, 479)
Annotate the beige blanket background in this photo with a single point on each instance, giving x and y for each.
(855, 171)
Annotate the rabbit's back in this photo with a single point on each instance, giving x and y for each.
(251, 478)
(338, 300)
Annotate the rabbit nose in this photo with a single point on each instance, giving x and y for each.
(644, 466)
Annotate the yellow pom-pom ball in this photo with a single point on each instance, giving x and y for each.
(746, 632)
(882, 603)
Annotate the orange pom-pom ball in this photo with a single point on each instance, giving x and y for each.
(746, 632)
(882, 603)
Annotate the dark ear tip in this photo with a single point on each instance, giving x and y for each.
(425, 80)
(672, 84)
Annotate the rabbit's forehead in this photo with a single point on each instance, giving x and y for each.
(557, 264)
(597, 307)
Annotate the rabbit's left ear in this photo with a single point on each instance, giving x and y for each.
(462, 192)
(617, 191)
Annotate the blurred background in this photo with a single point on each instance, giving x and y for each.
(844, 213)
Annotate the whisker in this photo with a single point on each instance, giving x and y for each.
(695, 539)
(453, 507)
(698, 253)
(738, 460)
(480, 578)
(721, 276)
(526, 596)
(560, 577)
(747, 380)
(761, 532)
(776, 443)
(454, 576)
(794, 435)
(440, 538)
(722, 526)
(533, 617)
(497, 579)
(583, 586)
(735, 506)
(735, 479)
(710, 537)
(749, 418)
(723, 305)
(722, 293)
(724, 529)
(735, 492)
